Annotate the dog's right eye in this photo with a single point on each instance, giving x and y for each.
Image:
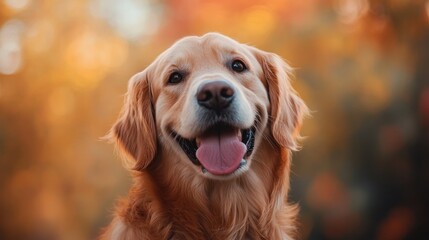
(175, 78)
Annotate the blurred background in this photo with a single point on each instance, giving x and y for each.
(362, 66)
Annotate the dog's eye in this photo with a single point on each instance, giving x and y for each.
(238, 66)
(175, 78)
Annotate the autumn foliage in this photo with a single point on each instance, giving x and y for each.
(361, 66)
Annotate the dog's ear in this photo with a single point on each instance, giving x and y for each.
(135, 130)
(287, 109)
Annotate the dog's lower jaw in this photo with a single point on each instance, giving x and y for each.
(240, 171)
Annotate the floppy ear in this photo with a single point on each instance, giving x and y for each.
(135, 131)
(287, 108)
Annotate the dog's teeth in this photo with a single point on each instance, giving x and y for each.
(243, 162)
(203, 170)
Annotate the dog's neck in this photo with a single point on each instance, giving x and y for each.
(200, 208)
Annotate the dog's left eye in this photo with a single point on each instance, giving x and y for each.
(238, 66)
(175, 78)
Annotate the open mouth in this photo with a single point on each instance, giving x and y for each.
(220, 150)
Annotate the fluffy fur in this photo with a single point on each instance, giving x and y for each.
(171, 198)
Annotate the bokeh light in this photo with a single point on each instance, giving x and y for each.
(17, 4)
(131, 19)
(10, 46)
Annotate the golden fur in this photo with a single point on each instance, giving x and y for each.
(171, 198)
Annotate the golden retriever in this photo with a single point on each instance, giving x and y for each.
(209, 128)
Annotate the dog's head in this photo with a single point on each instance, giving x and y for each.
(211, 101)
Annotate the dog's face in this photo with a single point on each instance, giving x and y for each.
(211, 101)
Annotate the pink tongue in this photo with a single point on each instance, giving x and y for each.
(221, 152)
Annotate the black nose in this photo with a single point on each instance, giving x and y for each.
(215, 95)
